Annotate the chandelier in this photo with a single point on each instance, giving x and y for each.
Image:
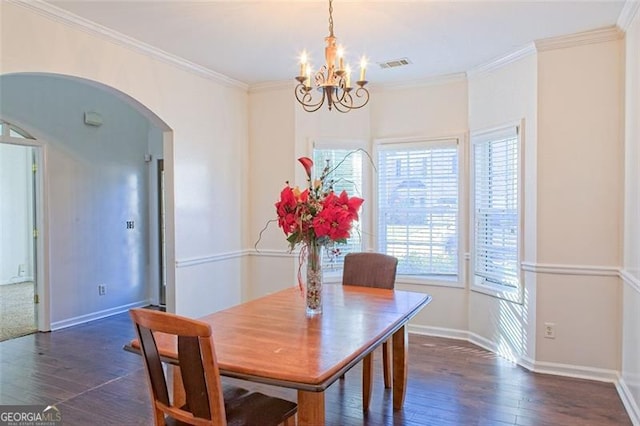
(332, 80)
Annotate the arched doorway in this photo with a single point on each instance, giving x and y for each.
(101, 233)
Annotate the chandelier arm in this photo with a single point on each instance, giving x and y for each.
(363, 93)
(345, 104)
(307, 98)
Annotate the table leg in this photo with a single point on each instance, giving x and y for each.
(310, 408)
(386, 363)
(367, 379)
(400, 347)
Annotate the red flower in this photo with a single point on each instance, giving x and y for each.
(350, 205)
(333, 222)
(307, 163)
(285, 209)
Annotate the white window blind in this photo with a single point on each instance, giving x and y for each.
(496, 209)
(418, 185)
(348, 177)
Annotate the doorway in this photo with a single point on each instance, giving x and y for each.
(19, 294)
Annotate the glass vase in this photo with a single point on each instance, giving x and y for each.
(314, 279)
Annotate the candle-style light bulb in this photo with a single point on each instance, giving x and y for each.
(363, 68)
(307, 82)
(340, 57)
(303, 63)
(348, 73)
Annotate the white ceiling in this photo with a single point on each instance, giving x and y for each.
(259, 41)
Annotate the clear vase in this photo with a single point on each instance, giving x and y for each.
(314, 279)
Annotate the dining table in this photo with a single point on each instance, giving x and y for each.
(273, 340)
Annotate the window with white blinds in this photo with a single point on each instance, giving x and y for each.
(347, 176)
(496, 220)
(418, 207)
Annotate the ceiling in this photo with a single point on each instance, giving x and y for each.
(259, 41)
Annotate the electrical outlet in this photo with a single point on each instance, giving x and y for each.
(102, 289)
(549, 330)
(22, 270)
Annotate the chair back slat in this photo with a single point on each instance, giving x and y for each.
(154, 365)
(193, 377)
(370, 270)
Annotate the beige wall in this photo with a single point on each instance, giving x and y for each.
(631, 264)
(500, 97)
(580, 164)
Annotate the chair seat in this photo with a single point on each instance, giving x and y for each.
(246, 408)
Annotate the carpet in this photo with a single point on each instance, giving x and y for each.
(17, 311)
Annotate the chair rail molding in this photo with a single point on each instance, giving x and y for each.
(564, 269)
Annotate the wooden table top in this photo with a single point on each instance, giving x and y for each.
(271, 339)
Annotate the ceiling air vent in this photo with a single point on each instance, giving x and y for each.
(394, 63)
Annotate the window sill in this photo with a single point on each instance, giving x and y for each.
(509, 294)
(426, 281)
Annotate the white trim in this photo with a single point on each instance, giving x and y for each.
(447, 333)
(504, 60)
(193, 261)
(599, 35)
(557, 369)
(64, 17)
(17, 280)
(97, 315)
(581, 270)
(627, 14)
(628, 401)
(576, 371)
(633, 282)
(182, 263)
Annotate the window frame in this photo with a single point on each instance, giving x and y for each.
(335, 275)
(512, 294)
(460, 141)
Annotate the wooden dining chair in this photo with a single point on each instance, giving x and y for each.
(372, 270)
(208, 403)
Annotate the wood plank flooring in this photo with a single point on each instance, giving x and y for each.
(92, 381)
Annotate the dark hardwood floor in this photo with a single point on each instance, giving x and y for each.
(84, 372)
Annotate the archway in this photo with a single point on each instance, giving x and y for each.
(100, 234)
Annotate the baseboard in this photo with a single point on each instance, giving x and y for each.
(17, 280)
(97, 315)
(567, 370)
(448, 333)
(629, 403)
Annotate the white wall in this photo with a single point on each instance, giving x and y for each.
(96, 182)
(580, 163)
(435, 109)
(16, 217)
(498, 97)
(631, 260)
(272, 162)
(205, 159)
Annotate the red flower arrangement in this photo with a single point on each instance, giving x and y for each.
(316, 216)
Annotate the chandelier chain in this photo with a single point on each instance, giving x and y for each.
(331, 18)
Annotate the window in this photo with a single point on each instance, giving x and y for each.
(496, 211)
(418, 207)
(348, 177)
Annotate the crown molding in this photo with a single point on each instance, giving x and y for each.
(74, 21)
(516, 55)
(627, 14)
(599, 35)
